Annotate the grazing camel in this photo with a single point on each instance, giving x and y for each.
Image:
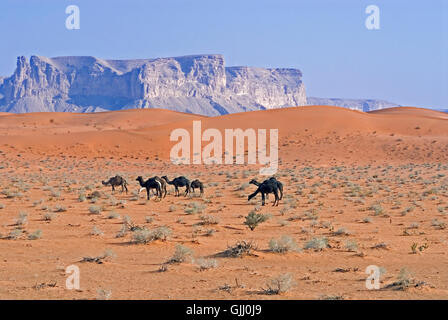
(162, 187)
(179, 182)
(116, 181)
(197, 184)
(149, 184)
(279, 185)
(268, 186)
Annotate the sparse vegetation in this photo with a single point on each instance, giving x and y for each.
(279, 284)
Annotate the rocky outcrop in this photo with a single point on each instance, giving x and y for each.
(354, 104)
(198, 84)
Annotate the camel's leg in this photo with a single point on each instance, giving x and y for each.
(262, 198)
(148, 194)
(113, 188)
(177, 191)
(276, 197)
(126, 188)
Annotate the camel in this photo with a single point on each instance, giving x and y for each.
(149, 184)
(268, 186)
(179, 182)
(197, 184)
(162, 187)
(116, 181)
(279, 185)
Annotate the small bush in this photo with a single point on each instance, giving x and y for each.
(208, 219)
(113, 215)
(96, 231)
(49, 216)
(240, 249)
(181, 254)
(145, 235)
(280, 284)
(317, 244)
(205, 264)
(95, 209)
(253, 219)
(103, 294)
(22, 218)
(351, 245)
(282, 245)
(15, 234)
(35, 235)
(59, 208)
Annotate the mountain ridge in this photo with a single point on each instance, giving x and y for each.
(199, 84)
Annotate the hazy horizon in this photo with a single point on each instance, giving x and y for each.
(404, 62)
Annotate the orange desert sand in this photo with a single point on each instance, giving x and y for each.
(360, 189)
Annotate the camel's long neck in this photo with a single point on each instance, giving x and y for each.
(257, 183)
(142, 184)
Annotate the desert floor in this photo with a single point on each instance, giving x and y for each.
(360, 189)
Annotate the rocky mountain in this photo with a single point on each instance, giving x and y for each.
(354, 104)
(199, 84)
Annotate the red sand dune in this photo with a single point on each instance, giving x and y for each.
(320, 134)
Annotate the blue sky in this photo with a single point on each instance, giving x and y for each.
(406, 61)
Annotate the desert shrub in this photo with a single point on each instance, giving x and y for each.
(195, 207)
(113, 215)
(205, 264)
(81, 197)
(341, 232)
(351, 245)
(282, 245)
(123, 231)
(15, 234)
(367, 220)
(103, 294)
(96, 231)
(22, 219)
(146, 235)
(280, 284)
(35, 235)
(253, 219)
(37, 202)
(208, 219)
(107, 255)
(95, 209)
(317, 244)
(59, 208)
(181, 254)
(404, 280)
(149, 219)
(438, 224)
(239, 249)
(49, 216)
